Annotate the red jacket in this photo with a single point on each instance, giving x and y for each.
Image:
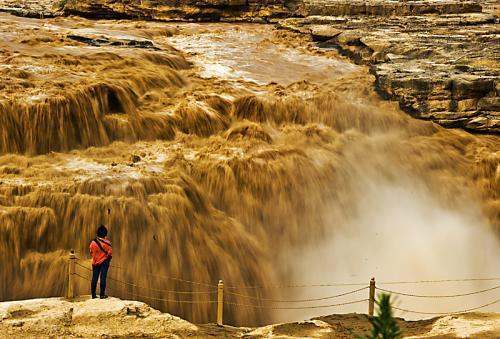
(98, 256)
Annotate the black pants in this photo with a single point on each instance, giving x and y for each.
(99, 270)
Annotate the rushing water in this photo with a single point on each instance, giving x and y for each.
(237, 158)
(246, 52)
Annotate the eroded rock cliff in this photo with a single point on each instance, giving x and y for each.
(442, 68)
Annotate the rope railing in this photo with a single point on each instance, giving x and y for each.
(151, 288)
(452, 312)
(173, 300)
(84, 267)
(340, 284)
(297, 300)
(437, 281)
(296, 308)
(243, 287)
(266, 303)
(160, 290)
(439, 296)
(161, 299)
(293, 285)
(170, 278)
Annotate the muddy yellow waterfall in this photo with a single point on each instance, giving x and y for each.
(226, 151)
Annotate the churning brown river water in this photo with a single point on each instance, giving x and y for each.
(234, 152)
(248, 52)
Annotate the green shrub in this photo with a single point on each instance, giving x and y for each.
(384, 326)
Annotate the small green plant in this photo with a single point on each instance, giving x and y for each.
(384, 326)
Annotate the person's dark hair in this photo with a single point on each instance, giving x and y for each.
(102, 231)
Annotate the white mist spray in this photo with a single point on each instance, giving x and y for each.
(398, 230)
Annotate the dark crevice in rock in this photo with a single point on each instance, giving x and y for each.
(105, 41)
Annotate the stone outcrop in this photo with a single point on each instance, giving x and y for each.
(232, 10)
(115, 318)
(260, 10)
(384, 7)
(183, 10)
(32, 8)
(204, 10)
(88, 318)
(442, 68)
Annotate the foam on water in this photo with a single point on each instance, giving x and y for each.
(245, 53)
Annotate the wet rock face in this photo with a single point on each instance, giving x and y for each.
(204, 10)
(191, 10)
(441, 68)
(385, 7)
(214, 10)
(33, 8)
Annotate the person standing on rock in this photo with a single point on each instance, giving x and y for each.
(101, 251)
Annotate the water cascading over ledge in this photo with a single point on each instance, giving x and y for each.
(227, 207)
(207, 179)
(89, 113)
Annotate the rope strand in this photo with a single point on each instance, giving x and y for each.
(295, 286)
(442, 313)
(153, 289)
(162, 299)
(296, 300)
(88, 269)
(363, 284)
(164, 277)
(295, 308)
(437, 281)
(439, 296)
(160, 290)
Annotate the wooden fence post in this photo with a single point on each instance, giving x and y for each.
(371, 300)
(220, 302)
(71, 274)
